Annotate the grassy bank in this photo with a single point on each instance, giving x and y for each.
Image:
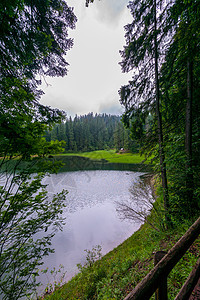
(118, 272)
(114, 275)
(111, 156)
(47, 164)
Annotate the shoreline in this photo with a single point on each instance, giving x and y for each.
(75, 273)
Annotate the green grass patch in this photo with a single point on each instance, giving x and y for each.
(117, 273)
(112, 157)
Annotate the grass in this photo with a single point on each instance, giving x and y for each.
(111, 156)
(117, 273)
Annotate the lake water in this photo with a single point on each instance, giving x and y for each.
(91, 216)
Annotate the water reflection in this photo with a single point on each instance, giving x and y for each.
(140, 203)
(91, 215)
(75, 163)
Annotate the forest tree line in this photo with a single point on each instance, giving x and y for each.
(92, 132)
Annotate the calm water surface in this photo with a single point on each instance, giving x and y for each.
(91, 216)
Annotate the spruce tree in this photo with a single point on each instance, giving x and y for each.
(144, 40)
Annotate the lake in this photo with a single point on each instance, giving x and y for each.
(91, 215)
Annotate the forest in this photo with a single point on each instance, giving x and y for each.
(162, 115)
(92, 132)
(162, 53)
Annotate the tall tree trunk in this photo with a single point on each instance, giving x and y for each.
(160, 128)
(188, 135)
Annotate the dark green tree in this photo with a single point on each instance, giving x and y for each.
(144, 40)
(180, 86)
(93, 132)
(33, 43)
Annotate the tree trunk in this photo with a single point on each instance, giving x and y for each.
(160, 130)
(188, 135)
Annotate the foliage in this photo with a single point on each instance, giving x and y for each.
(51, 147)
(34, 40)
(58, 279)
(92, 256)
(181, 111)
(92, 132)
(88, 1)
(33, 43)
(26, 213)
(176, 33)
(138, 57)
(34, 37)
(90, 274)
(142, 55)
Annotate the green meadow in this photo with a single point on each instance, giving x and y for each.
(112, 157)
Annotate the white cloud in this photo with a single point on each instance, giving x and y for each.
(110, 11)
(94, 76)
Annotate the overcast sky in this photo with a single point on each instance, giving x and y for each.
(94, 76)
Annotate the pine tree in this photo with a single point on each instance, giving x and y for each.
(88, 132)
(180, 84)
(144, 39)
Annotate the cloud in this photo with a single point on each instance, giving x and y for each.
(111, 105)
(94, 76)
(110, 11)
